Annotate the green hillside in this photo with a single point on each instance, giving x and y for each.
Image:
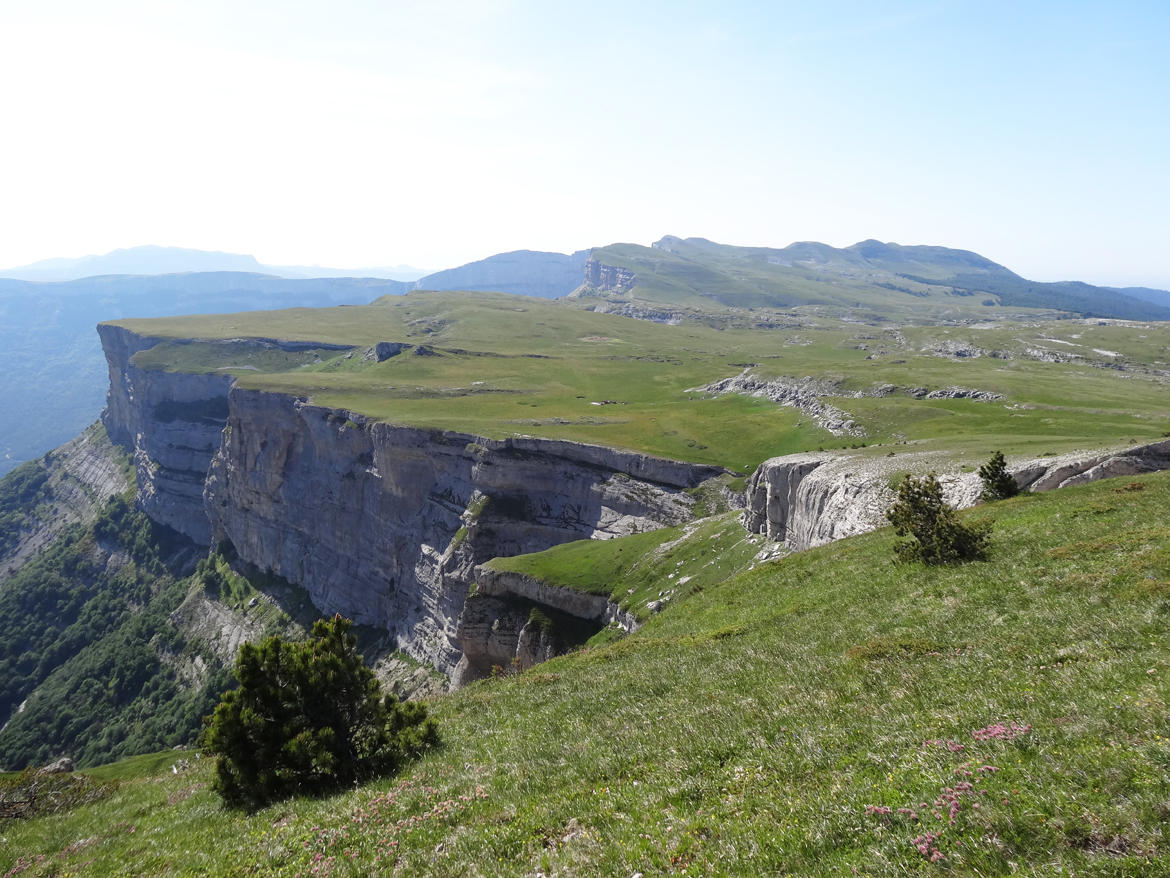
(919, 283)
(524, 366)
(991, 719)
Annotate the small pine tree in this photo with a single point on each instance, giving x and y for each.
(307, 717)
(998, 483)
(938, 537)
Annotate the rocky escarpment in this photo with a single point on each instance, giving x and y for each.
(383, 523)
(808, 500)
(497, 627)
(171, 423)
(611, 278)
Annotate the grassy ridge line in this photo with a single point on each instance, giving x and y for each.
(559, 360)
(761, 726)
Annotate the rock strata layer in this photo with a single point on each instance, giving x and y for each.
(496, 629)
(808, 500)
(385, 524)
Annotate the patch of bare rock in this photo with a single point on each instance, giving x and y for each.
(808, 500)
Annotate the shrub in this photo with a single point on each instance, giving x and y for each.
(998, 483)
(308, 717)
(938, 537)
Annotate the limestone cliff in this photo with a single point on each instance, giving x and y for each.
(171, 422)
(612, 278)
(383, 523)
(496, 626)
(808, 500)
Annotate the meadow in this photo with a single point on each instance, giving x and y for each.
(994, 718)
(498, 365)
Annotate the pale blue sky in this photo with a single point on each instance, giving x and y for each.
(352, 134)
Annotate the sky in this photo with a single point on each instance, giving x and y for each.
(355, 134)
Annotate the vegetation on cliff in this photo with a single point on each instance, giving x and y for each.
(84, 630)
(825, 712)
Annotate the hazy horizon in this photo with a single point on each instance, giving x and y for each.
(392, 134)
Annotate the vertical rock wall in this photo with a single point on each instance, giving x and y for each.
(382, 523)
(808, 500)
(171, 423)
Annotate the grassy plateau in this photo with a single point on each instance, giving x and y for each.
(827, 713)
(498, 365)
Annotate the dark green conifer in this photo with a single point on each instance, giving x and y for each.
(998, 483)
(308, 717)
(938, 536)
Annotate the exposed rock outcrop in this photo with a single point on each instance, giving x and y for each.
(802, 393)
(496, 627)
(808, 500)
(808, 393)
(670, 317)
(612, 278)
(382, 523)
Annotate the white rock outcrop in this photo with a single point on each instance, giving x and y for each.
(808, 500)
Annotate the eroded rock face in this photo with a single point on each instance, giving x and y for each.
(386, 523)
(171, 422)
(83, 474)
(382, 523)
(808, 500)
(495, 628)
(613, 278)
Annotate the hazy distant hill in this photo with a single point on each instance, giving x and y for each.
(521, 272)
(55, 376)
(900, 281)
(1158, 297)
(153, 260)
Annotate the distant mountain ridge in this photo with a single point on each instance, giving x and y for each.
(151, 259)
(521, 272)
(891, 279)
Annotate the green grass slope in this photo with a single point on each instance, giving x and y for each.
(501, 365)
(825, 714)
(918, 282)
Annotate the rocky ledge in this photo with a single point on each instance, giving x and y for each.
(498, 628)
(808, 500)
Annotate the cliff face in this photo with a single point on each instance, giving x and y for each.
(385, 524)
(808, 500)
(171, 423)
(608, 277)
